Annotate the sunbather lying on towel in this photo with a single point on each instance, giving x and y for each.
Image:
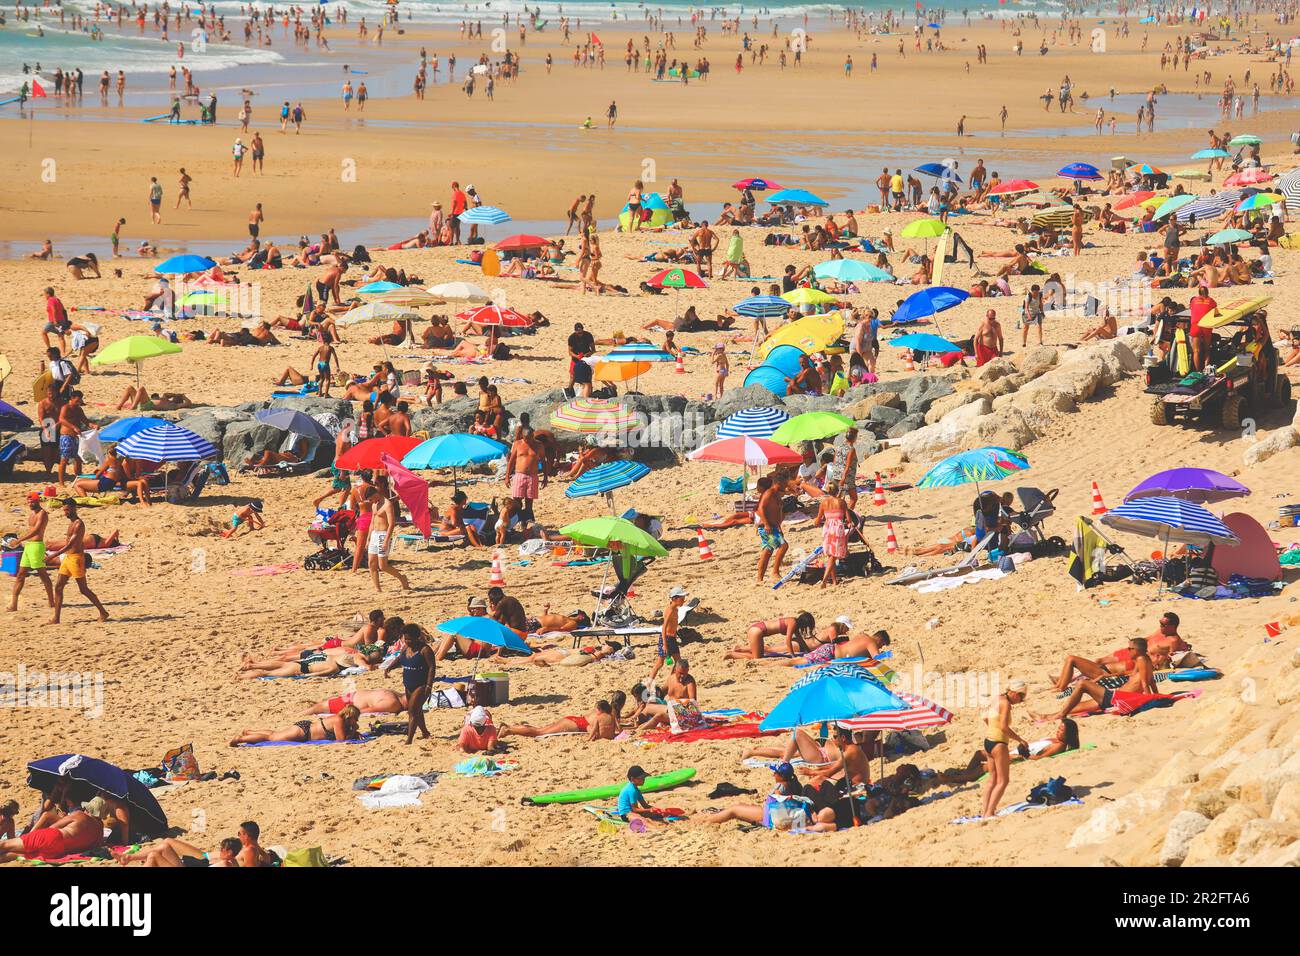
(138, 397)
(1135, 692)
(341, 726)
(1163, 645)
(735, 520)
(600, 724)
(315, 663)
(787, 789)
(173, 852)
(259, 336)
(369, 633)
(74, 833)
(378, 701)
(564, 657)
(963, 540)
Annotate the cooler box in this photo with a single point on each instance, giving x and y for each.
(493, 689)
(9, 563)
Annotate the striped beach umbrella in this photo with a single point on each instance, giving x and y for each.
(866, 669)
(762, 307)
(607, 478)
(1170, 519)
(1210, 207)
(590, 416)
(919, 713)
(753, 452)
(485, 216)
(753, 423)
(1289, 186)
(166, 442)
(636, 352)
(1259, 201)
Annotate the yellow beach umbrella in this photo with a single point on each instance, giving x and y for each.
(809, 334)
(135, 349)
(804, 295)
(923, 229)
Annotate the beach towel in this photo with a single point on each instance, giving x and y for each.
(99, 853)
(1021, 808)
(484, 767)
(735, 731)
(263, 570)
(364, 738)
(401, 790)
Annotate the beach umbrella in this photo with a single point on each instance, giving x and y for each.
(851, 270)
(485, 631)
(455, 450)
(484, 216)
(972, 467)
(1133, 200)
(811, 426)
(496, 315)
(11, 419)
(929, 302)
(592, 416)
(294, 422)
(408, 296)
(755, 452)
(126, 427)
(1245, 139)
(375, 288)
(88, 777)
(1171, 519)
(1224, 236)
(753, 423)
(1037, 199)
(1248, 177)
(829, 698)
(918, 713)
(1173, 204)
(1195, 175)
(184, 264)
(135, 349)
(637, 352)
(1145, 169)
(413, 492)
(806, 295)
(1210, 207)
(1212, 152)
(615, 534)
(855, 670)
(1289, 186)
(606, 479)
(796, 197)
(923, 229)
(924, 342)
(459, 291)
(604, 371)
(677, 278)
(1013, 186)
(762, 307)
(810, 334)
(1080, 171)
(166, 442)
(1199, 485)
(366, 454)
(1259, 201)
(377, 312)
(938, 171)
(755, 183)
(511, 243)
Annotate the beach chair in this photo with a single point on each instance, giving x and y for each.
(1037, 507)
(11, 454)
(969, 562)
(192, 478)
(617, 611)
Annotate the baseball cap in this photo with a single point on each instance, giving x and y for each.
(784, 770)
(677, 591)
(635, 771)
(845, 620)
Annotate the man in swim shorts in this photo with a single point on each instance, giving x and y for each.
(767, 519)
(33, 558)
(73, 565)
(72, 834)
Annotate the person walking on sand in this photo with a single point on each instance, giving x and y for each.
(611, 114)
(767, 518)
(380, 543)
(184, 183)
(33, 558)
(255, 220)
(237, 154)
(155, 201)
(73, 563)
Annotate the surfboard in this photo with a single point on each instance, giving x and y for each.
(1234, 311)
(941, 247)
(5, 368)
(491, 263)
(12, 99)
(41, 387)
(663, 781)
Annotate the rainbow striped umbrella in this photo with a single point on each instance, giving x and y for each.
(590, 416)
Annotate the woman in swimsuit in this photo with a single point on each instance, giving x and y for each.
(997, 744)
(378, 701)
(341, 726)
(795, 629)
(787, 787)
(600, 724)
(418, 670)
(315, 663)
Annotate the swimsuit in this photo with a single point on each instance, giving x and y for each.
(73, 566)
(523, 485)
(581, 722)
(770, 540)
(415, 672)
(33, 556)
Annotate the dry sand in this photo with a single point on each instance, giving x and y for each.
(170, 654)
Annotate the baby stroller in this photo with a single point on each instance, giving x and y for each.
(1036, 507)
(612, 606)
(332, 538)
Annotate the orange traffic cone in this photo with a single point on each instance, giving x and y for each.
(1098, 506)
(879, 498)
(891, 540)
(681, 366)
(498, 579)
(908, 364)
(706, 553)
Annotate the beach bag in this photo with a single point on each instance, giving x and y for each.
(1051, 793)
(180, 764)
(311, 856)
(684, 715)
(731, 486)
(787, 813)
(217, 473)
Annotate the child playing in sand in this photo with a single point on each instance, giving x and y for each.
(250, 515)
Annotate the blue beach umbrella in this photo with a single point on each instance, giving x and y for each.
(167, 442)
(377, 288)
(938, 171)
(88, 777)
(1171, 519)
(972, 467)
(762, 307)
(753, 423)
(637, 352)
(126, 427)
(928, 302)
(180, 265)
(796, 197)
(12, 419)
(924, 342)
(1079, 171)
(850, 270)
(485, 631)
(455, 450)
(485, 216)
(606, 478)
(832, 697)
(1211, 153)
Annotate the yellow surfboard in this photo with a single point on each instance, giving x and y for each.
(41, 387)
(491, 263)
(5, 368)
(1235, 310)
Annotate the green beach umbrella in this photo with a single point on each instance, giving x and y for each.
(616, 534)
(135, 349)
(923, 229)
(1173, 204)
(811, 426)
(1229, 235)
(1245, 139)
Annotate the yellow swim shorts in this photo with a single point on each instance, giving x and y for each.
(73, 566)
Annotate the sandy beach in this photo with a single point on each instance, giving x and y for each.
(185, 608)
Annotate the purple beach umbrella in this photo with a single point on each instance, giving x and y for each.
(1199, 485)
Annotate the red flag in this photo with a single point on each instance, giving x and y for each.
(37, 89)
(595, 40)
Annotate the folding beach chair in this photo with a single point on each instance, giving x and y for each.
(969, 562)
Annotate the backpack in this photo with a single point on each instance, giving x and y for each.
(1051, 793)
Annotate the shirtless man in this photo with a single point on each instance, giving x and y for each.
(772, 543)
(74, 833)
(327, 283)
(600, 724)
(73, 565)
(705, 243)
(33, 558)
(522, 474)
(1140, 683)
(1108, 329)
(863, 645)
(179, 853)
(398, 421)
(383, 527)
(251, 853)
(255, 220)
(72, 422)
(325, 357)
(988, 339)
(1162, 644)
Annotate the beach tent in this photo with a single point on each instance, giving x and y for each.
(660, 214)
(1253, 556)
(781, 363)
(810, 334)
